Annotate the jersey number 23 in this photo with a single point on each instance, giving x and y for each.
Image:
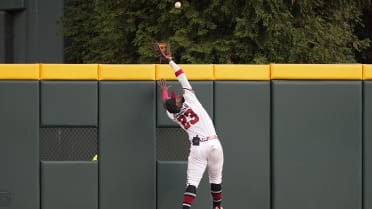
(194, 118)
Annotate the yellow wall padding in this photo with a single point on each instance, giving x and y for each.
(192, 71)
(241, 72)
(317, 71)
(127, 72)
(19, 71)
(69, 71)
(367, 72)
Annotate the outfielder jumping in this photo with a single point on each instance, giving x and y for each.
(205, 148)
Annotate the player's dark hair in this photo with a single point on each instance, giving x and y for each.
(171, 106)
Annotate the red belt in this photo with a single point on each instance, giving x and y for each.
(208, 138)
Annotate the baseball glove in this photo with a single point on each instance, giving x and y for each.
(162, 51)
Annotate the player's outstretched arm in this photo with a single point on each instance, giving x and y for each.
(181, 77)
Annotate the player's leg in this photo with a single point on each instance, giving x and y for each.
(216, 191)
(215, 167)
(196, 166)
(189, 196)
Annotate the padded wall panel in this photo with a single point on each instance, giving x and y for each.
(367, 162)
(19, 37)
(19, 147)
(317, 144)
(242, 118)
(127, 144)
(2, 36)
(67, 184)
(203, 90)
(32, 31)
(69, 103)
(50, 42)
(12, 4)
(5, 37)
(171, 184)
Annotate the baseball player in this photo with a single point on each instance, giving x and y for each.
(205, 148)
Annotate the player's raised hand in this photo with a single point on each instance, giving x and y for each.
(162, 83)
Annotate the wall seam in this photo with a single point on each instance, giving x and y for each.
(362, 151)
(271, 157)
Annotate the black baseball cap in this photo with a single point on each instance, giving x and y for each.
(171, 104)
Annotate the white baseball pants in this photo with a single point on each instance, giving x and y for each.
(209, 154)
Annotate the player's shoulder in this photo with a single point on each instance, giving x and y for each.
(170, 115)
(189, 93)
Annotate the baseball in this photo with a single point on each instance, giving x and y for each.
(177, 5)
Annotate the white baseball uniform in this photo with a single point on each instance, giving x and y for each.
(194, 119)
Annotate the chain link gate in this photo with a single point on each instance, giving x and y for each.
(172, 144)
(68, 143)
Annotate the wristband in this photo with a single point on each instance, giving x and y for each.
(178, 72)
(164, 93)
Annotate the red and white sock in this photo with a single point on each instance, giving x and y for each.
(189, 197)
(216, 191)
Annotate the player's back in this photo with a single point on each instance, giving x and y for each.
(193, 117)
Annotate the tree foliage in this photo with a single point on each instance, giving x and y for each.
(219, 31)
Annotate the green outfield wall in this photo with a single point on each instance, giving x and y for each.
(31, 32)
(294, 136)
